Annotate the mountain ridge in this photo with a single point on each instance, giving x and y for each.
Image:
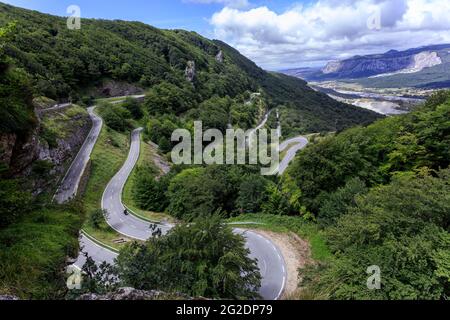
(407, 66)
(66, 64)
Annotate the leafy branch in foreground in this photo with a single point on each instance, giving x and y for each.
(203, 258)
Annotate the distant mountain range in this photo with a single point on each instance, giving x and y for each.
(424, 67)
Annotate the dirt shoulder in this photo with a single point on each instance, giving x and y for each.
(296, 253)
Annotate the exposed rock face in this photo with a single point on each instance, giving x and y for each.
(367, 66)
(219, 56)
(7, 142)
(113, 88)
(20, 153)
(391, 63)
(24, 152)
(8, 298)
(65, 150)
(190, 71)
(332, 67)
(419, 62)
(133, 294)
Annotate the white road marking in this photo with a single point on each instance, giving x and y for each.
(115, 186)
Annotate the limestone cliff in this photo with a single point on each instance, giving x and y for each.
(190, 71)
(44, 153)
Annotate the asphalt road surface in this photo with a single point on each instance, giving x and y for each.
(123, 98)
(56, 107)
(69, 185)
(300, 143)
(95, 251)
(127, 225)
(270, 261)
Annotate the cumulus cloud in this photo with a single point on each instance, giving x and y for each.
(331, 29)
(227, 3)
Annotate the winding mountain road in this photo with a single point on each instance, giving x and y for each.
(270, 260)
(128, 225)
(68, 187)
(299, 143)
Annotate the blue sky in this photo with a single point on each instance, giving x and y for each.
(279, 34)
(171, 14)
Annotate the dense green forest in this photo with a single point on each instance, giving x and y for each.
(64, 64)
(382, 196)
(377, 153)
(35, 238)
(200, 259)
(378, 193)
(17, 117)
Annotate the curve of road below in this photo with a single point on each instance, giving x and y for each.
(299, 144)
(270, 260)
(68, 187)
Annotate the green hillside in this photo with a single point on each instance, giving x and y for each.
(67, 63)
(381, 194)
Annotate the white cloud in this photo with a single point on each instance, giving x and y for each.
(331, 29)
(228, 3)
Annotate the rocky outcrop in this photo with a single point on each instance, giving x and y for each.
(9, 298)
(24, 153)
(7, 142)
(112, 88)
(332, 67)
(390, 63)
(21, 152)
(65, 147)
(367, 66)
(133, 294)
(219, 57)
(61, 155)
(419, 62)
(190, 71)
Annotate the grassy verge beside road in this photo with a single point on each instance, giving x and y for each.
(33, 252)
(108, 156)
(146, 159)
(305, 230)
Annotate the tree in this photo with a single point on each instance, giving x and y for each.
(252, 194)
(132, 105)
(160, 132)
(336, 204)
(98, 279)
(213, 113)
(114, 116)
(97, 217)
(277, 203)
(14, 202)
(201, 259)
(402, 228)
(166, 98)
(192, 194)
(149, 193)
(164, 145)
